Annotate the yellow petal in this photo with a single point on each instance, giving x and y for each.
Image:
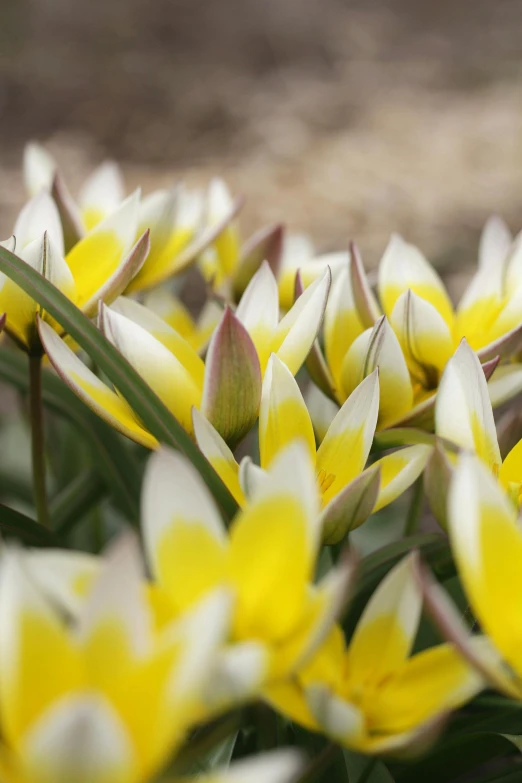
(298, 329)
(174, 384)
(424, 337)
(214, 448)
(39, 663)
(487, 544)
(386, 631)
(463, 412)
(283, 416)
(343, 453)
(181, 519)
(379, 347)
(94, 393)
(398, 472)
(280, 525)
(258, 311)
(342, 325)
(96, 257)
(429, 684)
(404, 267)
(101, 194)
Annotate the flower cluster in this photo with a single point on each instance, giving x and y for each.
(271, 430)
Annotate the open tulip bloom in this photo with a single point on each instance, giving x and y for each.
(349, 491)
(414, 330)
(226, 386)
(373, 694)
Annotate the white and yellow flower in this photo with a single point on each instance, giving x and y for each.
(350, 492)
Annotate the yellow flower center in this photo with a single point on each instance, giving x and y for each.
(325, 480)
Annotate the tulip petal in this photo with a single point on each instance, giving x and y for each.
(437, 477)
(39, 665)
(343, 453)
(80, 738)
(297, 331)
(322, 410)
(507, 345)
(278, 766)
(39, 168)
(429, 684)
(365, 301)
(118, 281)
(159, 213)
(384, 635)
(487, 544)
(495, 243)
(463, 412)
(89, 388)
(399, 470)
(101, 194)
(65, 576)
(232, 388)
(337, 718)
(505, 384)
(379, 347)
(283, 416)
(180, 518)
(115, 622)
(404, 267)
(258, 311)
(97, 257)
(21, 309)
(424, 337)
(264, 245)
(70, 218)
(342, 325)
(39, 216)
(216, 451)
(477, 650)
(165, 334)
(174, 384)
(237, 674)
(351, 507)
(280, 524)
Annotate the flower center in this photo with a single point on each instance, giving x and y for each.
(325, 480)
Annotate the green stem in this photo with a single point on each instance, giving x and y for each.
(412, 520)
(37, 439)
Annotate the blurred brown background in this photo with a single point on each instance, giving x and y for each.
(345, 119)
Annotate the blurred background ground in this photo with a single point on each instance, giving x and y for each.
(344, 119)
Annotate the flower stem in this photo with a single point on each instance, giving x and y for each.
(37, 438)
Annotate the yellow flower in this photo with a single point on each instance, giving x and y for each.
(38, 240)
(104, 697)
(421, 329)
(182, 223)
(267, 558)
(226, 386)
(349, 493)
(373, 695)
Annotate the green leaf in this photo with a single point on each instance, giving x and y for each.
(153, 413)
(364, 769)
(460, 755)
(17, 525)
(113, 460)
(75, 500)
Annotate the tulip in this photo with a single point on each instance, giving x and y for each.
(349, 492)
(267, 558)
(426, 329)
(106, 696)
(227, 386)
(372, 694)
